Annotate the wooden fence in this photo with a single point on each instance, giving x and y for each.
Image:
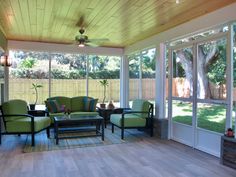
(21, 89)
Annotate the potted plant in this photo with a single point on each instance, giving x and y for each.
(104, 84)
(35, 87)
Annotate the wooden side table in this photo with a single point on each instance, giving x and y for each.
(228, 151)
(37, 113)
(105, 113)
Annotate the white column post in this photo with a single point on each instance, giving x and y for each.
(50, 75)
(87, 75)
(6, 80)
(6, 83)
(160, 81)
(140, 85)
(229, 77)
(124, 82)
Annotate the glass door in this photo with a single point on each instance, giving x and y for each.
(181, 89)
(211, 94)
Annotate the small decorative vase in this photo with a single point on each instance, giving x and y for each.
(110, 105)
(102, 105)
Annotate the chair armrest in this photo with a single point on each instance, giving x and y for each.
(23, 115)
(37, 112)
(131, 112)
(120, 110)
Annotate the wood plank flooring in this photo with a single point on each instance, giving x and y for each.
(148, 158)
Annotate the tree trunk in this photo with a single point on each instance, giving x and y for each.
(203, 60)
(186, 63)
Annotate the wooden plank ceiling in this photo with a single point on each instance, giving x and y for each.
(124, 22)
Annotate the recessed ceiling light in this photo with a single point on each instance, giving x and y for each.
(177, 1)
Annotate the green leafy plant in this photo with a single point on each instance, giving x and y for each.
(35, 87)
(105, 84)
(28, 63)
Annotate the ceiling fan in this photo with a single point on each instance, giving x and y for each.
(83, 40)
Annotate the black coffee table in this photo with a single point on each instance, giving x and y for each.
(74, 124)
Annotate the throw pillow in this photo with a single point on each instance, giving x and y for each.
(90, 104)
(93, 104)
(53, 106)
(86, 103)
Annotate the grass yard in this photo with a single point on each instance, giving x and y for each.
(209, 116)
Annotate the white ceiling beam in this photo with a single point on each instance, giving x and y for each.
(63, 48)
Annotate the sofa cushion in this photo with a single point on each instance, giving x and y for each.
(53, 106)
(131, 120)
(24, 124)
(81, 113)
(14, 107)
(77, 103)
(90, 104)
(52, 115)
(90, 113)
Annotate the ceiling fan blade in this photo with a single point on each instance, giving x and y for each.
(91, 44)
(99, 40)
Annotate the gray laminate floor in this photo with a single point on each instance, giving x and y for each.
(148, 158)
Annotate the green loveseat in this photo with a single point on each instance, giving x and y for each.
(76, 105)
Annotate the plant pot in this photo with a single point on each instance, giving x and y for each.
(32, 107)
(102, 105)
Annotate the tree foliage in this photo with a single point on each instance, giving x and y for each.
(35, 65)
(29, 62)
(147, 66)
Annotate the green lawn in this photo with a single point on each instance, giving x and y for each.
(209, 116)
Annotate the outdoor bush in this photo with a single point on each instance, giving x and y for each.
(29, 73)
(59, 74)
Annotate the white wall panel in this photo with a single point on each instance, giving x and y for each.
(208, 141)
(182, 133)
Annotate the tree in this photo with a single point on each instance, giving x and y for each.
(208, 54)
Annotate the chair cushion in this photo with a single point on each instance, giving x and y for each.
(14, 107)
(53, 106)
(141, 105)
(90, 104)
(24, 124)
(130, 120)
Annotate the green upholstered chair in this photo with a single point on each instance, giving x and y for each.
(140, 116)
(17, 120)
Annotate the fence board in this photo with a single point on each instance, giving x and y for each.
(21, 89)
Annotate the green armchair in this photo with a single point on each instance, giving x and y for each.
(140, 116)
(17, 120)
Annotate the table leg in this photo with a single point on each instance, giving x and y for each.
(103, 130)
(56, 132)
(97, 127)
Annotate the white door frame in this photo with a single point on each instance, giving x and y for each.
(229, 84)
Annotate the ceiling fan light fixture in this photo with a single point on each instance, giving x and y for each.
(81, 44)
